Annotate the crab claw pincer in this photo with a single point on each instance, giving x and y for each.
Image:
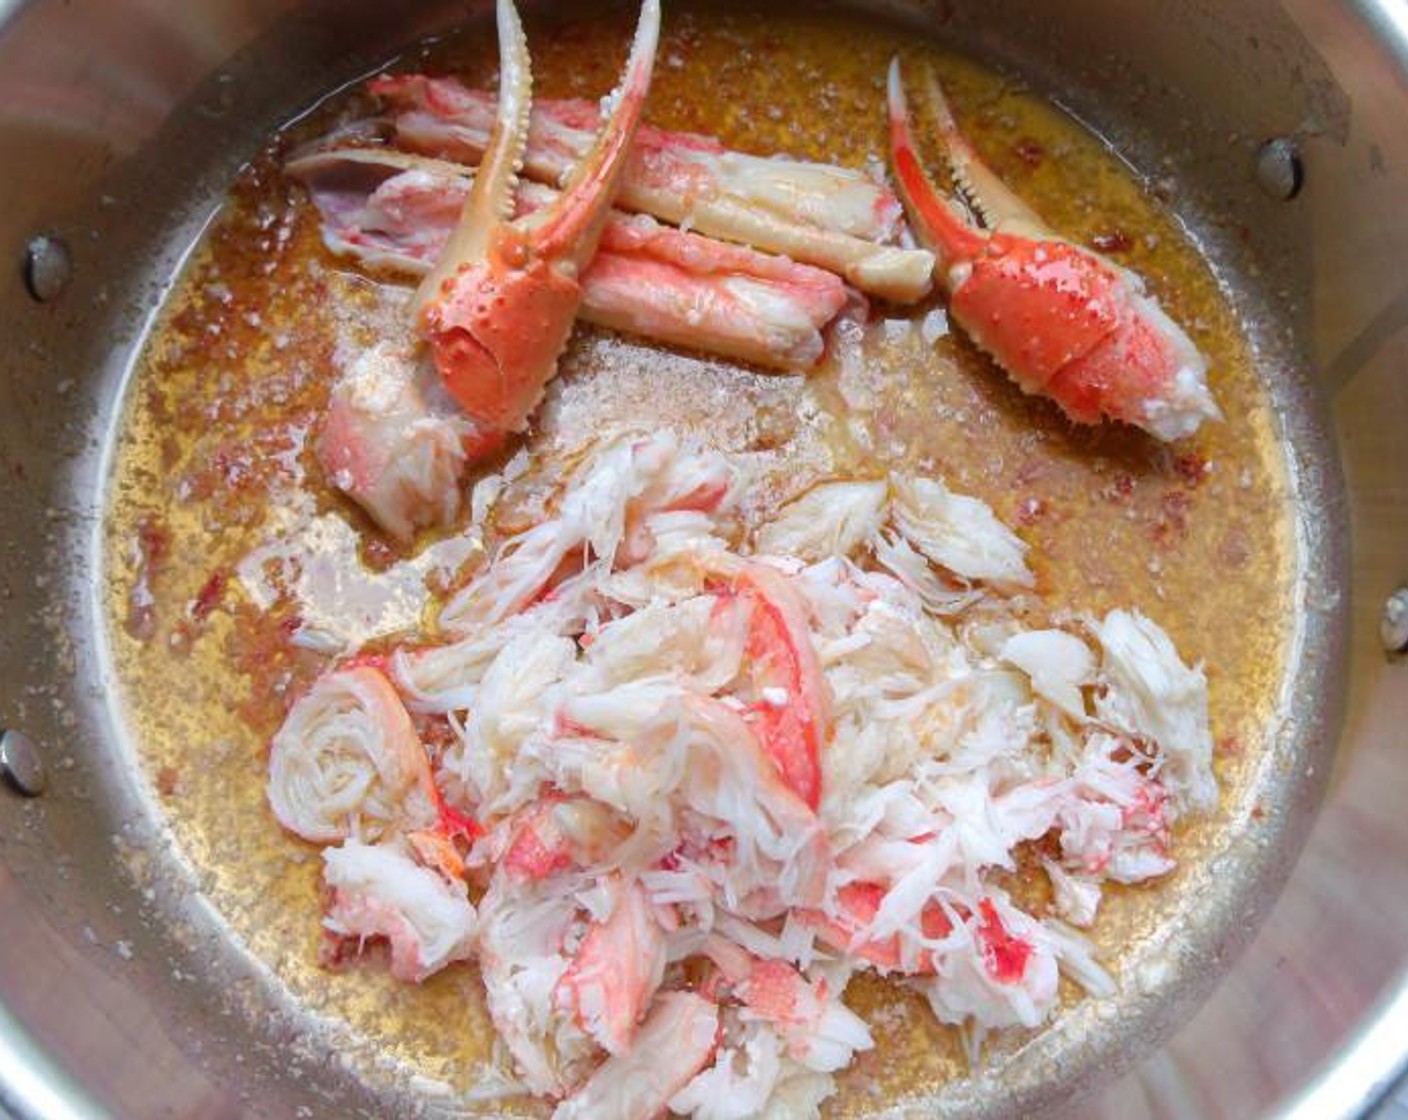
(497, 308)
(1064, 322)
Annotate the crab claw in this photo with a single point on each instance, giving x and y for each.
(497, 308)
(1063, 321)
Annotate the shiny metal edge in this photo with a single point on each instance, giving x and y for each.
(1364, 1073)
(34, 1086)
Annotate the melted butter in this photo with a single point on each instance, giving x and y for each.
(220, 519)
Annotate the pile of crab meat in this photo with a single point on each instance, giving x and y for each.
(672, 771)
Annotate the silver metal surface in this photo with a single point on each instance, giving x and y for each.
(1393, 624)
(21, 765)
(133, 114)
(1278, 169)
(48, 267)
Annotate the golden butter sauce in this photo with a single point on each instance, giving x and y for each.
(218, 509)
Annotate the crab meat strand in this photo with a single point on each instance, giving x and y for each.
(1059, 665)
(498, 306)
(792, 712)
(379, 891)
(857, 905)
(393, 211)
(809, 212)
(818, 1030)
(957, 532)
(523, 928)
(1152, 693)
(616, 970)
(1062, 321)
(831, 519)
(657, 743)
(673, 1045)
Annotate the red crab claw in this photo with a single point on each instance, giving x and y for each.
(498, 306)
(1063, 321)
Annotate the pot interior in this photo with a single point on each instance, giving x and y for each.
(142, 942)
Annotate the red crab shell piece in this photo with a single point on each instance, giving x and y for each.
(498, 306)
(1062, 321)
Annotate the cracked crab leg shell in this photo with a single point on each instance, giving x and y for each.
(933, 219)
(646, 278)
(442, 115)
(997, 204)
(442, 118)
(888, 271)
(571, 226)
(491, 201)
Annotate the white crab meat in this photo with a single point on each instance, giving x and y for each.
(675, 1041)
(958, 533)
(1077, 899)
(394, 442)
(347, 762)
(831, 519)
(616, 970)
(381, 891)
(1003, 974)
(1059, 665)
(523, 929)
(511, 702)
(1116, 823)
(766, 758)
(1153, 694)
(616, 492)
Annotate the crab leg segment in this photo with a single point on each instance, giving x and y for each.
(490, 204)
(1063, 321)
(499, 305)
(394, 211)
(832, 217)
(933, 218)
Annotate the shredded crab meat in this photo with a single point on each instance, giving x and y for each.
(347, 762)
(704, 769)
(959, 533)
(833, 519)
(380, 891)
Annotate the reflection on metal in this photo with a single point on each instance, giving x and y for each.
(1367, 1071)
(34, 1088)
(20, 764)
(1279, 171)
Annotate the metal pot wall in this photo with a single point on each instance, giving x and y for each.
(122, 122)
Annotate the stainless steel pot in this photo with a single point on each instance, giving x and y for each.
(123, 119)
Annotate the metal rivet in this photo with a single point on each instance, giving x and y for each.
(20, 764)
(48, 267)
(1279, 171)
(1393, 626)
